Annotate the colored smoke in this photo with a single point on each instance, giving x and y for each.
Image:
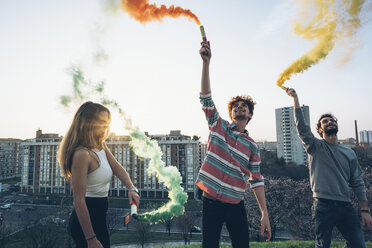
(325, 21)
(143, 11)
(142, 145)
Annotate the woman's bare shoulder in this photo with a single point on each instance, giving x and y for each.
(81, 154)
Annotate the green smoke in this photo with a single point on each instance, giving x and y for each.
(142, 145)
(170, 176)
(79, 85)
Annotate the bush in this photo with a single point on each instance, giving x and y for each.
(284, 244)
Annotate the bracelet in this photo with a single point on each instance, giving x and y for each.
(365, 211)
(90, 238)
(133, 189)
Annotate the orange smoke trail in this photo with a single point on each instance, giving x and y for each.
(144, 12)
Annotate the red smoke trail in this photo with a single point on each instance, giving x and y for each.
(143, 11)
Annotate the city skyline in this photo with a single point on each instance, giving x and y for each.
(40, 170)
(360, 133)
(154, 70)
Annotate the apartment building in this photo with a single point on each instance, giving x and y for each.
(366, 137)
(9, 158)
(289, 145)
(41, 172)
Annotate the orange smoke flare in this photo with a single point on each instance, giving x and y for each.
(143, 12)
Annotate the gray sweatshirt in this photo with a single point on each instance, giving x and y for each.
(333, 168)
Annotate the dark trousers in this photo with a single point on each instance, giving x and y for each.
(97, 208)
(329, 213)
(215, 214)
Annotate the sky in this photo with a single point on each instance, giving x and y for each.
(153, 70)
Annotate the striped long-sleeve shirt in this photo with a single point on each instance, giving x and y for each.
(231, 157)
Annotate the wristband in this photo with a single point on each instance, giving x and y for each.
(90, 238)
(365, 211)
(134, 189)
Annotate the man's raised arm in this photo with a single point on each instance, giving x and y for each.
(205, 53)
(292, 93)
(303, 129)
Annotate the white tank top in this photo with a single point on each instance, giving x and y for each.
(98, 181)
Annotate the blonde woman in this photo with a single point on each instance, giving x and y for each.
(86, 161)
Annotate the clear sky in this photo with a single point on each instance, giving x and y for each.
(154, 70)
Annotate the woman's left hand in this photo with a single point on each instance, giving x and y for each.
(134, 197)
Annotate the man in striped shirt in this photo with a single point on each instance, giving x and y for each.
(232, 159)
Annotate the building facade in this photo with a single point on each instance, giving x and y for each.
(41, 172)
(202, 152)
(9, 158)
(348, 142)
(366, 137)
(178, 150)
(268, 145)
(289, 145)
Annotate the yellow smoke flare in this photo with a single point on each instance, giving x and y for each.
(331, 20)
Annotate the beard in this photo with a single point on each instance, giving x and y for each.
(240, 117)
(331, 131)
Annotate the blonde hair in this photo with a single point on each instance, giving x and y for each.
(81, 134)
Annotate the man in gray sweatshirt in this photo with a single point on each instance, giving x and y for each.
(333, 170)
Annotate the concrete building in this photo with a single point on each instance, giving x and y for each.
(366, 137)
(268, 145)
(348, 142)
(41, 172)
(178, 150)
(202, 152)
(289, 145)
(9, 158)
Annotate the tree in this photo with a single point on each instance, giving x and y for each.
(142, 232)
(289, 205)
(281, 162)
(298, 208)
(276, 167)
(186, 223)
(290, 170)
(42, 236)
(114, 220)
(5, 231)
(168, 225)
(364, 154)
(368, 181)
(268, 157)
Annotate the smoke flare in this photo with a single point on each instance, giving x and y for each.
(143, 11)
(331, 20)
(142, 145)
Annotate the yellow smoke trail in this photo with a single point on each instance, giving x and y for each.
(331, 20)
(143, 11)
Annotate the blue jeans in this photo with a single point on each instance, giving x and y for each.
(215, 214)
(329, 213)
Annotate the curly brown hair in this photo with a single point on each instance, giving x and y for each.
(246, 99)
(319, 125)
